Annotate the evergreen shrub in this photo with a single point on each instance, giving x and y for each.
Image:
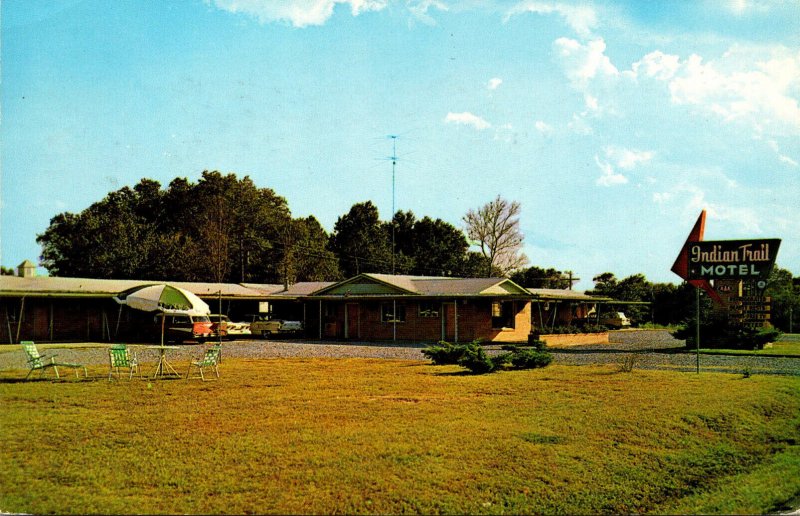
(473, 356)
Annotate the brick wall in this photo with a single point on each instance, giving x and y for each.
(364, 321)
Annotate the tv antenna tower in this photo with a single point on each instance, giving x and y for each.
(393, 157)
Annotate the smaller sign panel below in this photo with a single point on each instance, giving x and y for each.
(733, 259)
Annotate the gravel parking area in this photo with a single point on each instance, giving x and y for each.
(645, 349)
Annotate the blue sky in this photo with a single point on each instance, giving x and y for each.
(612, 123)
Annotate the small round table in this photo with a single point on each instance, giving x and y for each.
(164, 368)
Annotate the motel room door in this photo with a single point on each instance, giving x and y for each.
(352, 324)
(449, 322)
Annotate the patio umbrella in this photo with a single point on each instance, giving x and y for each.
(163, 298)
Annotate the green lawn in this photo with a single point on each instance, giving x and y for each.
(380, 436)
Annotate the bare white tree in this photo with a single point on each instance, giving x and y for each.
(495, 229)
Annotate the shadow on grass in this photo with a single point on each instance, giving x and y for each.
(464, 372)
(48, 380)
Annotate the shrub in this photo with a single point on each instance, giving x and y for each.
(579, 328)
(627, 363)
(530, 359)
(476, 360)
(716, 332)
(472, 356)
(445, 353)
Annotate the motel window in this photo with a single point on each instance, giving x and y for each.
(329, 310)
(429, 309)
(502, 314)
(393, 312)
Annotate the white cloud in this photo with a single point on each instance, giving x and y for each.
(621, 158)
(543, 127)
(609, 177)
(755, 87)
(419, 10)
(581, 18)
(657, 65)
(300, 13)
(661, 197)
(494, 83)
(467, 118)
(742, 7)
(737, 88)
(584, 63)
(627, 159)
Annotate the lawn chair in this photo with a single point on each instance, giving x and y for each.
(37, 361)
(120, 357)
(210, 359)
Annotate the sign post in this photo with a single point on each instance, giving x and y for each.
(697, 329)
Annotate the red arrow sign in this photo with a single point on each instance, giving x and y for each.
(681, 265)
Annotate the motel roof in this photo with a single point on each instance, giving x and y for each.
(363, 286)
(47, 286)
(387, 285)
(556, 294)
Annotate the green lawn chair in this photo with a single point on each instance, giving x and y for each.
(210, 359)
(120, 357)
(40, 362)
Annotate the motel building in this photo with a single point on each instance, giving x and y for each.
(367, 307)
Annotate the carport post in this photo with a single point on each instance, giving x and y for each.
(455, 319)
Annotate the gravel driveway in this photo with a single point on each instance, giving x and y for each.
(646, 349)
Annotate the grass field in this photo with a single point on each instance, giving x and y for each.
(382, 436)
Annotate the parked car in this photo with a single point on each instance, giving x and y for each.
(615, 320)
(180, 328)
(264, 326)
(222, 326)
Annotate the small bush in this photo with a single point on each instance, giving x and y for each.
(472, 356)
(717, 332)
(530, 359)
(577, 328)
(445, 353)
(476, 360)
(627, 363)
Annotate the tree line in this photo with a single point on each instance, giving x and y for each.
(226, 229)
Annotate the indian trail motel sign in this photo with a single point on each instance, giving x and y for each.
(733, 259)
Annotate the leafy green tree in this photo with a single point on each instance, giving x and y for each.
(359, 240)
(219, 229)
(439, 248)
(401, 241)
(672, 304)
(536, 277)
(305, 253)
(784, 293)
(474, 265)
(634, 288)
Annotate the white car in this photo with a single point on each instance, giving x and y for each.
(615, 320)
(291, 326)
(224, 327)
